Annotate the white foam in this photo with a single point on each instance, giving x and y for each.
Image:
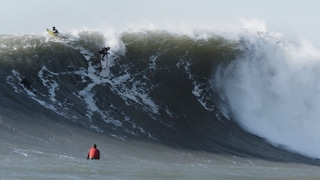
(274, 91)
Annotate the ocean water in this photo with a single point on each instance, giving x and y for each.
(168, 106)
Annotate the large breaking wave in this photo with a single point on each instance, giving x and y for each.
(253, 95)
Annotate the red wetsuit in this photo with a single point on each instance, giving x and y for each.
(93, 153)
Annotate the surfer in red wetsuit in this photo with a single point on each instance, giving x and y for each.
(93, 153)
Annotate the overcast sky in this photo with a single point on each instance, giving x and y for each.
(292, 18)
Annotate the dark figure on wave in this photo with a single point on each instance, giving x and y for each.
(55, 30)
(27, 84)
(103, 63)
(93, 153)
(104, 51)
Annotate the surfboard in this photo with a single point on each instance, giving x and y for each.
(104, 62)
(51, 33)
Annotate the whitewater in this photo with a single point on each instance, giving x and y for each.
(195, 104)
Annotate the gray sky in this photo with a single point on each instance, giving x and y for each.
(292, 18)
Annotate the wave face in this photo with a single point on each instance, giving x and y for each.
(246, 96)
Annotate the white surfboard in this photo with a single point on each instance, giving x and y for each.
(104, 62)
